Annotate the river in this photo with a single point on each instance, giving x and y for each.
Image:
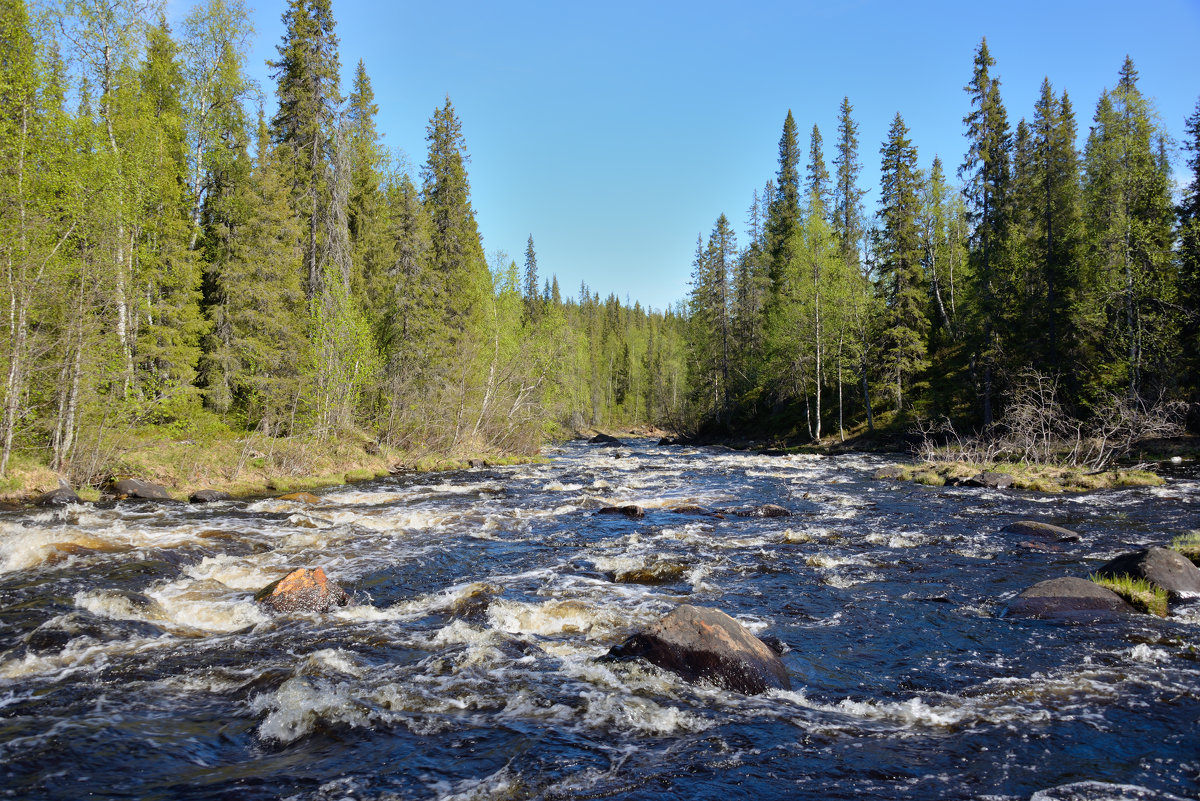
(134, 663)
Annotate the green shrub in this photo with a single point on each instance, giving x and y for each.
(1141, 594)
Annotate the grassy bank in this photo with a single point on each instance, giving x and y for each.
(238, 464)
(1037, 478)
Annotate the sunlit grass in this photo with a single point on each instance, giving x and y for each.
(1141, 594)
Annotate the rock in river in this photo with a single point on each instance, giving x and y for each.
(607, 440)
(302, 590)
(209, 496)
(1073, 600)
(990, 480)
(1035, 528)
(137, 488)
(707, 645)
(1162, 567)
(629, 510)
(58, 497)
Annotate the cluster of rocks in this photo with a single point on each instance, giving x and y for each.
(1079, 600)
(130, 489)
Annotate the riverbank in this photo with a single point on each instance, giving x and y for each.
(243, 466)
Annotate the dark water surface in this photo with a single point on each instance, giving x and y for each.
(134, 664)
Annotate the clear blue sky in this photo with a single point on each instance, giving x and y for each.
(615, 132)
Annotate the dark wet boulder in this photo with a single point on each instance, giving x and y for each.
(889, 472)
(629, 510)
(1071, 600)
(1162, 567)
(1036, 528)
(302, 590)
(58, 497)
(990, 480)
(766, 510)
(666, 441)
(605, 440)
(143, 490)
(707, 646)
(209, 496)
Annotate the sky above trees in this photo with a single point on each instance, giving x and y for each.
(613, 133)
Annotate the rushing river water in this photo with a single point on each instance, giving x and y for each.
(134, 663)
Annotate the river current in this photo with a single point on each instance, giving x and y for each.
(134, 663)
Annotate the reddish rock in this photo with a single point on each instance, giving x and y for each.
(708, 646)
(302, 590)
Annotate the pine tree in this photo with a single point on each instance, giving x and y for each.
(906, 322)
(986, 170)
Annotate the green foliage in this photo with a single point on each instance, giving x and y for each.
(1141, 594)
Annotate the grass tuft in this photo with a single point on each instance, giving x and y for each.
(1188, 545)
(1141, 594)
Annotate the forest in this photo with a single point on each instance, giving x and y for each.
(179, 263)
(1048, 285)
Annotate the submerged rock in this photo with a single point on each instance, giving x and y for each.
(301, 497)
(58, 497)
(1035, 528)
(1162, 567)
(706, 645)
(137, 488)
(1073, 600)
(629, 510)
(302, 590)
(209, 496)
(990, 480)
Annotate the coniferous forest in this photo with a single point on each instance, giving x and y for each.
(177, 262)
(1051, 268)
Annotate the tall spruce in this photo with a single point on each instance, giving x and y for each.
(307, 85)
(1131, 231)
(1189, 257)
(783, 209)
(986, 175)
(816, 178)
(906, 322)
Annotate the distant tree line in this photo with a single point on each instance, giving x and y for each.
(170, 259)
(1074, 266)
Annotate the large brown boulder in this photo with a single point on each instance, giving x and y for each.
(302, 590)
(708, 646)
(137, 488)
(1071, 600)
(1162, 567)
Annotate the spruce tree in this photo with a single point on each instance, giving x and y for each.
(816, 183)
(986, 173)
(307, 85)
(1189, 258)
(783, 210)
(531, 279)
(1130, 231)
(906, 322)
